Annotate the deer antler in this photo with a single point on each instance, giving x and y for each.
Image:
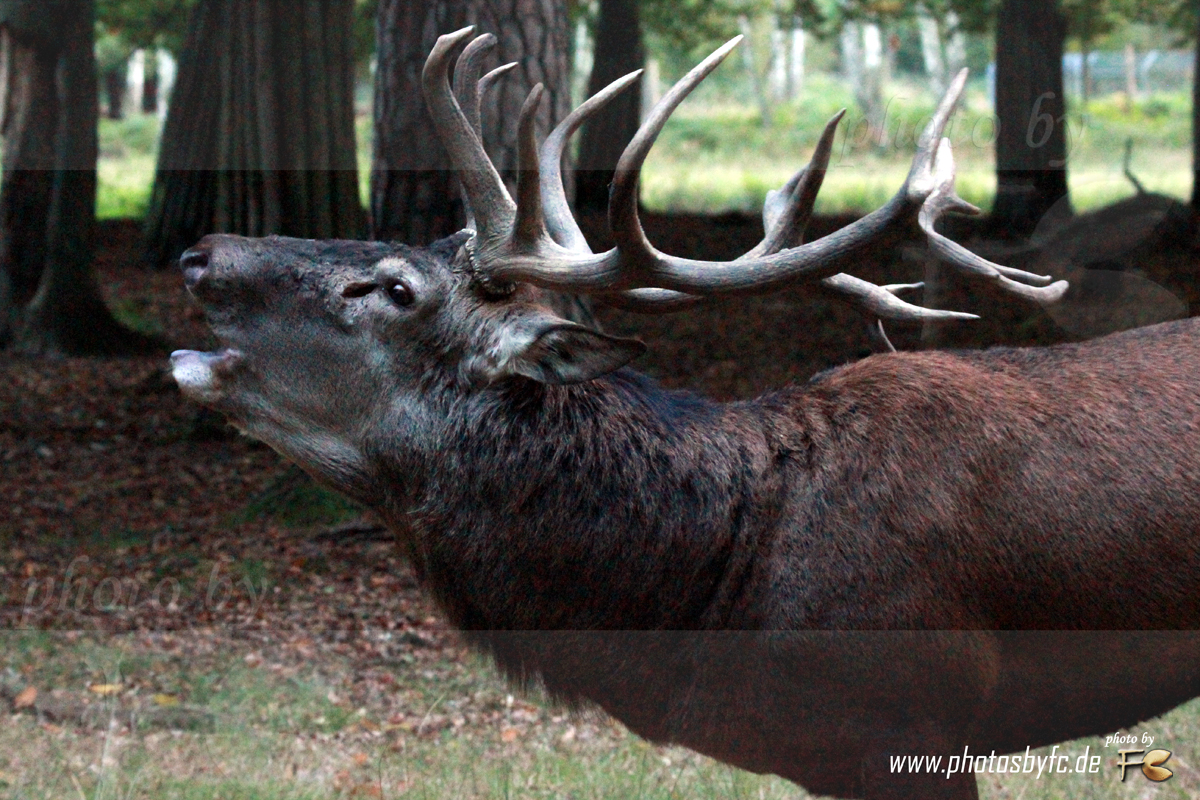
(536, 240)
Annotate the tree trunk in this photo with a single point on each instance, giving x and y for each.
(114, 93)
(796, 58)
(30, 119)
(750, 67)
(1031, 145)
(414, 195)
(618, 51)
(1131, 86)
(149, 104)
(955, 44)
(67, 315)
(862, 63)
(931, 51)
(145, 91)
(259, 136)
(1085, 70)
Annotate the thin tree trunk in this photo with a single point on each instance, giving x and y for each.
(796, 58)
(956, 44)
(1085, 69)
(114, 92)
(1031, 146)
(67, 315)
(750, 66)
(931, 51)
(862, 63)
(779, 56)
(259, 137)
(1131, 85)
(414, 196)
(618, 52)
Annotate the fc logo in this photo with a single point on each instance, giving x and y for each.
(1150, 764)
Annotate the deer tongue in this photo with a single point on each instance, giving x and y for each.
(197, 372)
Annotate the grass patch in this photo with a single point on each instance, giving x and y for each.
(294, 500)
(125, 168)
(135, 314)
(716, 155)
(288, 731)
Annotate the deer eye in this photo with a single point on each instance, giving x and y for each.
(399, 292)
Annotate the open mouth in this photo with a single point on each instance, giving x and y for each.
(199, 374)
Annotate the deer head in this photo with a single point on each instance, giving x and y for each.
(325, 342)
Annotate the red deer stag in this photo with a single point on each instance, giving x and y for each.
(909, 555)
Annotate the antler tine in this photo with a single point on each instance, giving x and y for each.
(493, 207)
(651, 301)
(639, 264)
(943, 199)
(786, 212)
(559, 220)
(530, 226)
(882, 302)
(499, 72)
(468, 90)
(922, 176)
(632, 245)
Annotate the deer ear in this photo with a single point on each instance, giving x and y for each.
(569, 353)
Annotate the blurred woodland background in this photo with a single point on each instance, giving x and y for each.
(305, 118)
(183, 615)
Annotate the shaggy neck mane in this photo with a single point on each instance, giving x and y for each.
(610, 504)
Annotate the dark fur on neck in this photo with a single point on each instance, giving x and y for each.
(543, 509)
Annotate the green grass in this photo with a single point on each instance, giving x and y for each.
(125, 169)
(716, 155)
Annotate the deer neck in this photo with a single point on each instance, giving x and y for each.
(609, 504)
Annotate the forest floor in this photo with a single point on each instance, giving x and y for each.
(174, 624)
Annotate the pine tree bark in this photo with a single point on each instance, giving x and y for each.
(48, 196)
(1031, 146)
(619, 51)
(259, 137)
(30, 118)
(414, 195)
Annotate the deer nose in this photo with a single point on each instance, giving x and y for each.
(194, 263)
(210, 263)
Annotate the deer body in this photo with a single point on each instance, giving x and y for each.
(910, 555)
(867, 501)
(876, 481)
